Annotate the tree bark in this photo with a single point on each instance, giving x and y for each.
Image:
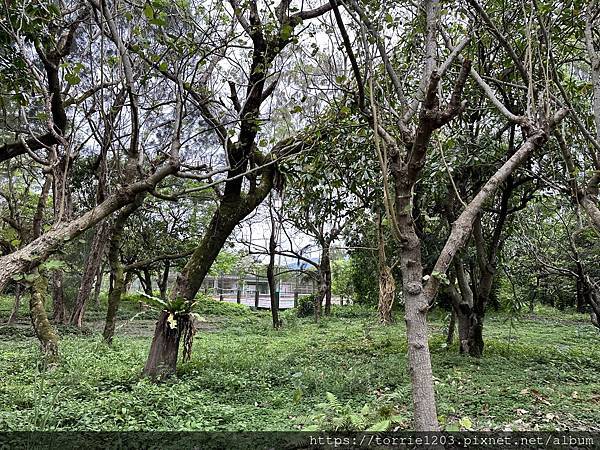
(325, 267)
(273, 293)
(147, 281)
(235, 204)
(451, 328)
(98, 285)
(117, 279)
(416, 307)
(387, 285)
(328, 294)
(41, 325)
(92, 265)
(17, 304)
(468, 308)
(164, 280)
(164, 350)
(59, 313)
(324, 277)
(594, 302)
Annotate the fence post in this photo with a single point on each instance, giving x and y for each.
(239, 296)
(296, 299)
(256, 297)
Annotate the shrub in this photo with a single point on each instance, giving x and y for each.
(306, 305)
(209, 306)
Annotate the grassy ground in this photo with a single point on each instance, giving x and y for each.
(540, 372)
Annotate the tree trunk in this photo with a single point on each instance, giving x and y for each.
(92, 265)
(163, 283)
(469, 310)
(328, 293)
(128, 282)
(580, 296)
(17, 304)
(387, 292)
(416, 307)
(451, 328)
(419, 360)
(117, 283)
(98, 286)
(234, 206)
(59, 314)
(387, 285)
(593, 300)
(117, 279)
(147, 281)
(41, 325)
(324, 290)
(162, 359)
(273, 293)
(319, 296)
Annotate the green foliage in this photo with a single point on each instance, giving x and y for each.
(306, 306)
(209, 306)
(365, 278)
(228, 262)
(335, 416)
(341, 278)
(245, 376)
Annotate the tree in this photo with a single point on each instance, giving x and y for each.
(403, 148)
(251, 174)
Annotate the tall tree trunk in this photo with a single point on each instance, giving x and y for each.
(98, 286)
(92, 265)
(387, 285)
(234, 206)
(273, 292)
(582, 289)
(117, 281)
(59, 313)
(325, 279)
(163, 283)
(416, 307)
(594, 302)
(451, 328)
(41, 325)
(128, 282)
(147, 281)
(16, 305)
(419, 359)
(328, 292)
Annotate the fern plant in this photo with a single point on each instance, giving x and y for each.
(333, 415)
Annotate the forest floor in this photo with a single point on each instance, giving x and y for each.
(539, 372)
